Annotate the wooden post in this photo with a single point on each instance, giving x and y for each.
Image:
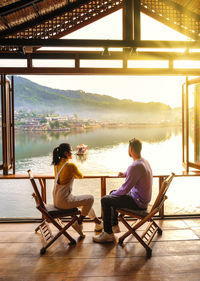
(103, 189)
(13, 124)
(183, 125)
(127, 26)
(131, 20)
(137, 28)
(103, 186)
(29, 61)
(77, 61)
(187, 125)
(4, 125)
(131, 24)
(128, 19)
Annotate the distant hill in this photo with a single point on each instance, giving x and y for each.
(33, 96)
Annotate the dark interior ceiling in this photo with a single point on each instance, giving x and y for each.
(56, 18)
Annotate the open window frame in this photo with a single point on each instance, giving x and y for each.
(7, 124)
(191, 124)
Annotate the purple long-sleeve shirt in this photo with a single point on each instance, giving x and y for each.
(138, 183)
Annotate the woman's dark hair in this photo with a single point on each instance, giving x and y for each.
(59, 152)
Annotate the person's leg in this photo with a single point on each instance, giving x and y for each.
(111, 203)
(98, 222)
(114, 221)
(108, 203)
(114, 214)
(84, 202)
(93, 216)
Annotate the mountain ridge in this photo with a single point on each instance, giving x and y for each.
(32, 96)
(28, 93)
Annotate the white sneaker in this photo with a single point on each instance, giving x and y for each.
(79, 228)
(98, 227)
(116, 229)
(104, 237)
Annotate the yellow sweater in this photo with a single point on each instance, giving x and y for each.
(69, 171)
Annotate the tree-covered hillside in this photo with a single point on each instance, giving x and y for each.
(31, 95)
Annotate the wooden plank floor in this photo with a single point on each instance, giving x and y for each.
(176, 255)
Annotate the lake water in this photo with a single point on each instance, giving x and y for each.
(107, 155)
(107, 149)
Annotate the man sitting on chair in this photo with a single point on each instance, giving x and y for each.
(134, 194)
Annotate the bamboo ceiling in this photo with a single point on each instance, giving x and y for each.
(56, 18)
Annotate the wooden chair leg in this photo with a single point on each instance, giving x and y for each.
(147, 236)
(158, 227)
(45, 231)
(47, 234)
(140, 240)
(40, 225)
(121, 239)
(146, 217)
(72, 241)
(62, 230)
(147, 248)
(54, 222)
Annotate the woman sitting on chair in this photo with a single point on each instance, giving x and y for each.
(65, 172)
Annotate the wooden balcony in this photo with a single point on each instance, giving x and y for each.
(176, 255)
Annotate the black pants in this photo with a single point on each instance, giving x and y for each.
(109, 205)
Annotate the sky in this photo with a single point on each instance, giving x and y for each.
(166, 89)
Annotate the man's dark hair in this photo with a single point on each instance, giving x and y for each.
(136, 145)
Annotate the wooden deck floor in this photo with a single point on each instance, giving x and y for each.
(176, 255)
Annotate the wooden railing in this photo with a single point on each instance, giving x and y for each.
(44, 177)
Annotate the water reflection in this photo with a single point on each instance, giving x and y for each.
(35, 144)
(107, 149)
(81, 158)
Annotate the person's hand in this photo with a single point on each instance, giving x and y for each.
(120, 174)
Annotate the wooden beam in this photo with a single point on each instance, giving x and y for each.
(96, 55)
(93, 43)
(99, 71)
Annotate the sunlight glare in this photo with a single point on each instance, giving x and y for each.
(147, 64)
(186, 64)
(101, 63)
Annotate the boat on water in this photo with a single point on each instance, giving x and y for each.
(81, 149)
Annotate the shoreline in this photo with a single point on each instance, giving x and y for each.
(111, 126)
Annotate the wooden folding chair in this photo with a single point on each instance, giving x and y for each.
(144, 216)
(53, 215)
